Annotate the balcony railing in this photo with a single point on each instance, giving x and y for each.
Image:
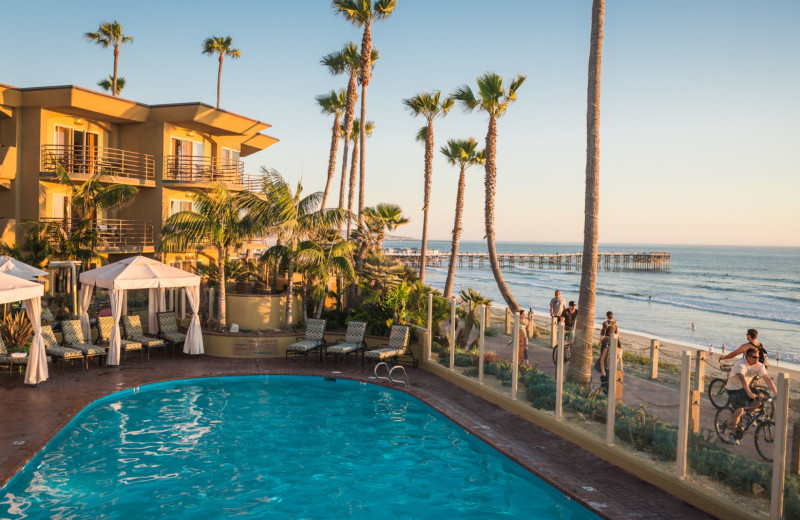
(253, 183)
(89, 160)
(116, 234)
(203, 169)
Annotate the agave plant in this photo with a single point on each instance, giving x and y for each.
(15, 329)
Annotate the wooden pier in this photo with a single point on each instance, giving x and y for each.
(652, 261)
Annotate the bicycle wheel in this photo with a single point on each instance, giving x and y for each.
(765, 440)
(722, 424)
(717, 393)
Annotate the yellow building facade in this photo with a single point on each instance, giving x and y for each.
(164, 150)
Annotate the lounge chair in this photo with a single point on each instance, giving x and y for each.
(56, 351)
(168, 329)
(72, 337)
(11, 361)
(104, 326)
(353, 341)
(133, 332)
(395, 350)
(313, 340)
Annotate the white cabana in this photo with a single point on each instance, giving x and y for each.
(13, 289)
(20, 269)
(139, 272)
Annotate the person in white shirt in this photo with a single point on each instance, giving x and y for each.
(738, 387)
(557, 305)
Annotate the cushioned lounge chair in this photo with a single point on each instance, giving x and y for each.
(168, 329)
(313, 340)
(11, 361)
(104, 326)
(133, 332)
(353, 341)
(72, 337)
(56, 351)
(396, 350)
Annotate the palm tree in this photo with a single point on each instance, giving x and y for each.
(106, 84)
(347, 60)
(294, 218)
(110, 34)
(220, 45)
(493, 99)
(464, 153)
(354, 136)
(219, 221)
(427, 105)
(95, 194)
(581, 361)
(361, 13)
(323, 258)
(473, 299)
(333, 104)
(381, 218)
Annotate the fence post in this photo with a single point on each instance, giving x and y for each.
(429, 338)
(683, 414)
(553, 332)
(484, 310)
(515, 357)
(654, 344)
(559, 372)
(488, 316)
(794, 467)
(452, 332)
(700, 370)
(694, 410)
(779, 456)
(508, 320)
(611, 416)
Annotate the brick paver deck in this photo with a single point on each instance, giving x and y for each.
(32, 415)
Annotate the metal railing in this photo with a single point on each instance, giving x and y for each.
(203, 169)
(116, 234)
(90, 160)
(253, 183)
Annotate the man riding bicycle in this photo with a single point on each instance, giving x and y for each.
(738, 386)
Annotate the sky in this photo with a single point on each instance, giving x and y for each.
(699, 135)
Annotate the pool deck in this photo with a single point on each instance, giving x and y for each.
(32, 415)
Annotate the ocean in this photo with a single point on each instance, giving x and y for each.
(723, 290)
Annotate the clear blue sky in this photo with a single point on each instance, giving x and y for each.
(700, 141)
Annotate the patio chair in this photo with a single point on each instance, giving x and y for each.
(396, 350)
(133, 332)
(72, 337)
(313, 340)
(11, 361)
(104, 326)
(56, 351)
(353, 341)
(168, 329)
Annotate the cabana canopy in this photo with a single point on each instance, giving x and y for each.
(20, 269)
(139, 272)
(14, 289)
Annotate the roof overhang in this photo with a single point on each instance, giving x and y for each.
(81, 102)
(207, 119)
(257, 143)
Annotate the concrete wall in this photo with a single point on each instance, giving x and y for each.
(261, 311)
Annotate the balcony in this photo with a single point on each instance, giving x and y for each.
(121, 165)
(117, 235)
(191, 170)
(253, 183)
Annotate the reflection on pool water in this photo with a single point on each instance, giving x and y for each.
(273, 447)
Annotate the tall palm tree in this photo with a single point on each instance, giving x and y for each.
(95, 194)
(381, 218)
(292, 216)
(581, 361)
(362, 13)
(462, 153)
(427, 105)
(323, 258)
(219, 221)
(332, 103)
(107, 83)
(221, 45)
(355, 134)
(347, 60)
(493, 98)
(473, 299)
(109, 34)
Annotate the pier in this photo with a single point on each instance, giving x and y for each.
(650, 261)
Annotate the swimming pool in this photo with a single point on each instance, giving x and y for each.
(272, 447)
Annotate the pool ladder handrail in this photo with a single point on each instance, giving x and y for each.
(389, 372)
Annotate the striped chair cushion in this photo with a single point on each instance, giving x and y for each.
(315, 330)
(304, 346)
(384, 353)
(398, 338)
(3, 349)
(148, 341)
(167, 322)
(104, 326)
(71, 332)
(355, 332)
(133, 326)
(49, 338)
(8, 359)
(130, 345)
(343, 348)
(174, 337)
(64, 352)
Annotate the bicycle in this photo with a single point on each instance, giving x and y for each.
(567, 353)
(764, 437)
(718, 393)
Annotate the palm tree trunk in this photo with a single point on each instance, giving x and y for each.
(352, 193)
(349, 114)
(305, 300)
(289, 291)
(427, 199)
(581, 361)
(366, 54)
(116, 59)
(219, 76)
(331, 159)
(276, 270)
(451, 269)
(490, 184)
(222, 253)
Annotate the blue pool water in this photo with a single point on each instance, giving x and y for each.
(273, 447)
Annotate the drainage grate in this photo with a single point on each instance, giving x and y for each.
(18, 443)
(588, 488)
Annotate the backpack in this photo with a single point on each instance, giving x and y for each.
(762, 353)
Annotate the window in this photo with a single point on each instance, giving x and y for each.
(76, 150)
(62, 207)
(176, 206)
(188, 161)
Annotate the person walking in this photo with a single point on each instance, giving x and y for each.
(607, 332)
(557, 305)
